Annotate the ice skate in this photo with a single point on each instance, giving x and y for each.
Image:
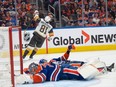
(111, 67)
(23, 57)
(30, 58)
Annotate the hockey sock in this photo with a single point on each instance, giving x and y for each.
(32, 54)
(68, 52)
(25, 53)
(66, 55)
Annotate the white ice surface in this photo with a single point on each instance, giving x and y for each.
(106, 80)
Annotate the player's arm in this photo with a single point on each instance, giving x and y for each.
(67, 53)
(30, 79)
(62, 58)
(51, 33)
(39, 78)
(36, 16)
(26, 71)
(55, 59)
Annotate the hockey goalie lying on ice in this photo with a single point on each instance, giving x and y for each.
(62, 69)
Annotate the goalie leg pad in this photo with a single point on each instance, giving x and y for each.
(101, 66)
(88, 71)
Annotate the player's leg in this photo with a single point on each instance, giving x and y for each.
(38, 44)
(31, 45)
(111, 67)
(76, 63)
(26, 52)
(71, 73)
(85, 72)
(33, 53)
(103, 67)
(92, 69)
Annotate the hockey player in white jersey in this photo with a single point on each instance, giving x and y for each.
(43, 29)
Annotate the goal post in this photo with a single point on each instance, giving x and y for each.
(7, 50)
(11, 52)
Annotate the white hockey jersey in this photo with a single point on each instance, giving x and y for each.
(43, 28)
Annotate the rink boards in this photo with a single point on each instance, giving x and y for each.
(85, 39)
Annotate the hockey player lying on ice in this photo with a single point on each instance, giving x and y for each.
(59, 69)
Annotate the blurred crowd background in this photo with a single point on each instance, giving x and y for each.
(67, 13)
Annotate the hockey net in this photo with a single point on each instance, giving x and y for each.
(10, 55)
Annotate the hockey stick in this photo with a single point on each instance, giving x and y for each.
(27, 28)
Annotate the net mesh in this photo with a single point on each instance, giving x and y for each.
(4, 40)
(5, 55)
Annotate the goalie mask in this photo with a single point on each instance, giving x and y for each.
(34, 68)
(47, 19)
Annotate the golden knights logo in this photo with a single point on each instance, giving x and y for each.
(26, 36)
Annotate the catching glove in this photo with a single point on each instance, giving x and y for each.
(24, 79)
